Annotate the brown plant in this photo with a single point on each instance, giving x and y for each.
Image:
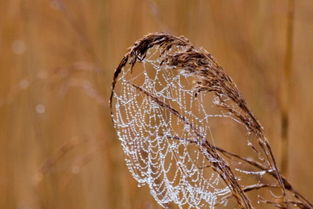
(173, 55)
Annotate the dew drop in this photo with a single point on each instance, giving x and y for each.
(24, 84)
(40, 108)
(18, 47)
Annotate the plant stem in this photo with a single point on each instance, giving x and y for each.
(285, 119)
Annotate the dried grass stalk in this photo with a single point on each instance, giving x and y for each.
(209, 77)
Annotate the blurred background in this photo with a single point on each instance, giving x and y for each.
(58, 148)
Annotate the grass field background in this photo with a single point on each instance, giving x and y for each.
(58, 148)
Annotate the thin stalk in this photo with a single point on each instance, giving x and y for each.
(285, 117)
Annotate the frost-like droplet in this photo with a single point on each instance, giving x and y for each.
(24, 84)
(40, 108)
(18, 47)
(216, 101)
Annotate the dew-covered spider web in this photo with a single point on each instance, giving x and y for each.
(166, 125)
(160, 146)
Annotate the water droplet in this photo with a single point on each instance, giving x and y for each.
(216, 101)
(187, 127)
(75, 169)
(18, 47)
(40, 108)
(24, 84)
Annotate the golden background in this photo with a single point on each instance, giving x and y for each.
(58, 148)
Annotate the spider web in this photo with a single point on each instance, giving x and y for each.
(160, 124)
(168, 102)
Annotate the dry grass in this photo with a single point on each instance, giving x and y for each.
(210, 78)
